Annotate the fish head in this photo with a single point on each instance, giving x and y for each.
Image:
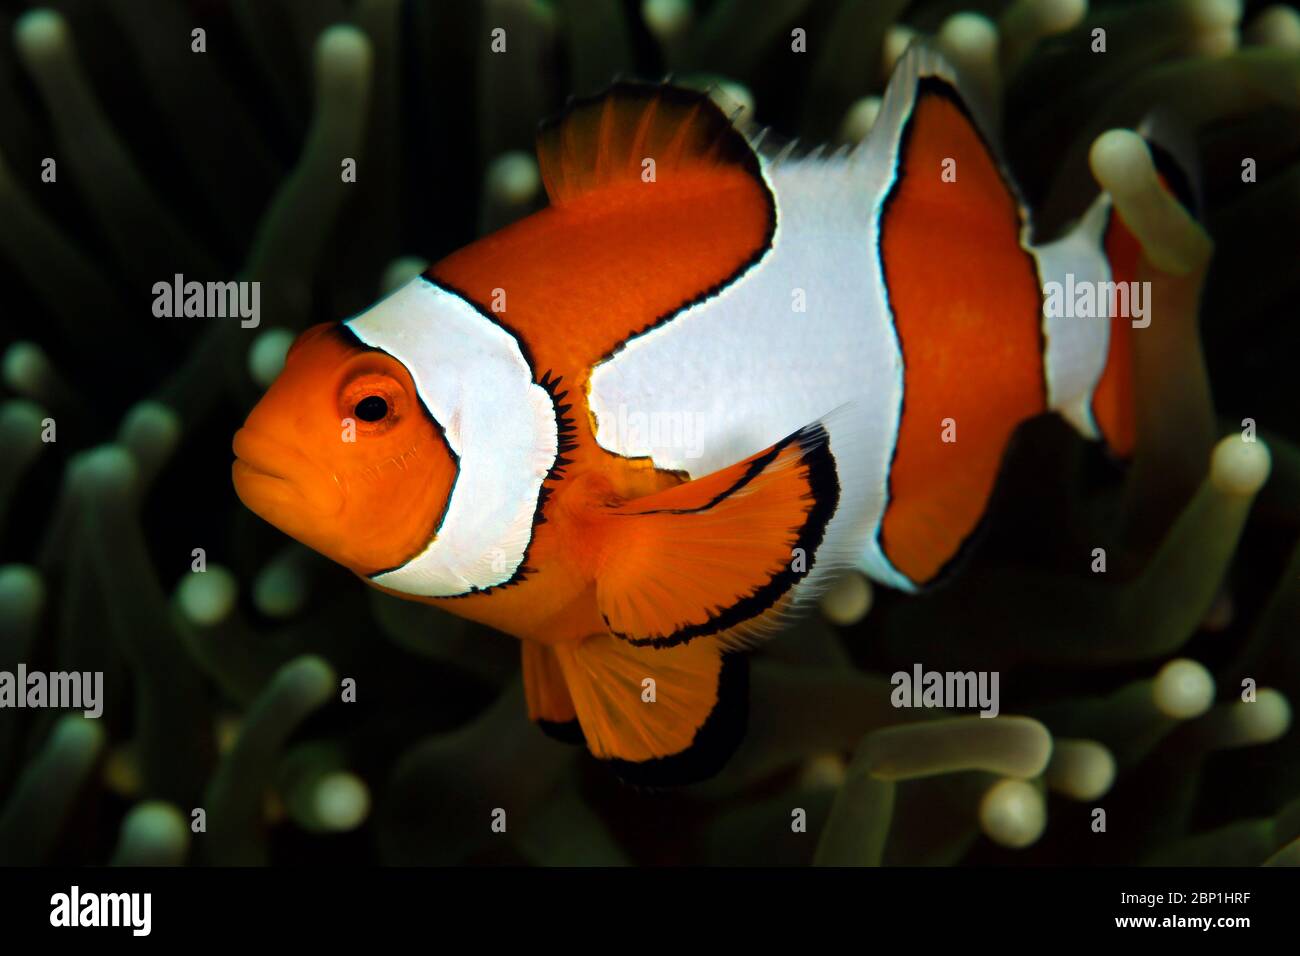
(341, 454)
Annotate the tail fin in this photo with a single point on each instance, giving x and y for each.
(1091, 273)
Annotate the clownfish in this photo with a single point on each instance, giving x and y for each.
(638, 427)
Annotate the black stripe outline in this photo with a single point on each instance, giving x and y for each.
(565, 731)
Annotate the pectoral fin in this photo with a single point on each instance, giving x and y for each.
(721, 556)
(686, 576)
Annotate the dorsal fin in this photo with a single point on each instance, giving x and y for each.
(705, 220)
(602, 141)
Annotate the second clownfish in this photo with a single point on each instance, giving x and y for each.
(638, 427)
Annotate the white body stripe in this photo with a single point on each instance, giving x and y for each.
(475, 382)
(736, 373)
(1076, 347)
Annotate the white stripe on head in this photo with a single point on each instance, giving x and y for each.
(474, 380)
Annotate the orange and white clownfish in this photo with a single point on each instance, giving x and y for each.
(637, 427)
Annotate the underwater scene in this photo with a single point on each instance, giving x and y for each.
(951, 345)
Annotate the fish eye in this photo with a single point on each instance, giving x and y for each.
(372, 408)
(373, 399)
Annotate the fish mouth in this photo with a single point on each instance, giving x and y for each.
(247, 469)
(257, 456)
(271, 476)
(243, 471)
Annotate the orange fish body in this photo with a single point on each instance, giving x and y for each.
(637, 427)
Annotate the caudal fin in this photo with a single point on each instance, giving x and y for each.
(1093, 304)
